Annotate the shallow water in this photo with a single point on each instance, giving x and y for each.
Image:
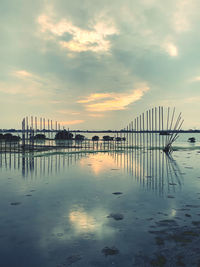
(99, 209)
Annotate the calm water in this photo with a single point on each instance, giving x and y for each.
(58, 209)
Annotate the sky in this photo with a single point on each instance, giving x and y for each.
(93, 64)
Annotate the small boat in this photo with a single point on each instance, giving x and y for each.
(192, 140)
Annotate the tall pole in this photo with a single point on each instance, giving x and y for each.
(36, 125)
(51, 129)
(27, 128)
(140, 129)
(135, 131)
(132, 133)
(152, 113)
(43, 123)
(23, 133)
(159, 124)
(156, 124)
(162, 125)
(150, 125)
(147, 116)
(127, 135)
(143, 129)
(32, 122)
(168, 112)
(48, 131)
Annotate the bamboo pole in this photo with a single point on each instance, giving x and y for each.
(147, 127)
(140, 130)
(152, 113)
(143, 129)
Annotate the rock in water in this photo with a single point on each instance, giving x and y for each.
(116, 216)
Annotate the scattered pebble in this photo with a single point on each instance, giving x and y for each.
(196, 223)
(15, 203)
(187, 215)
(167, 223)
(117, 193)
(110, 251)
(72, 259)
(170, 196)
(192, 206)
(159, 261)
(59, 234)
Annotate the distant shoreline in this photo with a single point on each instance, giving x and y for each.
(105, 131)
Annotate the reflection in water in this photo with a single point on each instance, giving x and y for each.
(99, 163)
(82, 221)
(152, 169)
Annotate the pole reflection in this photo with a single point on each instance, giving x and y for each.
(152, 169)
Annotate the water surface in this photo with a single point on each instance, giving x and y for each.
(99, 209)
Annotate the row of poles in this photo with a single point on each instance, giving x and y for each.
(33, 125)
(39, 125)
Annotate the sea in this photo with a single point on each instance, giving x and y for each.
(124, 207)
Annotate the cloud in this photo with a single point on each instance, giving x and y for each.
(195, 79)
(22, 74)
(183, 14)
(114, 101)
(94, 97)
(32, 88)
(171, 49)
(71, 122)
(82, 40)
(12, 88)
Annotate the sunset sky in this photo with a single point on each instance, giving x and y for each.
(93, 64)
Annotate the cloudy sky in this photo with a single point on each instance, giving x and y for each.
(94, 64)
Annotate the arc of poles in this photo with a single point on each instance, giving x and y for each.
(154, 122)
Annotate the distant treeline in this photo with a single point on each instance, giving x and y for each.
(66, 135)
